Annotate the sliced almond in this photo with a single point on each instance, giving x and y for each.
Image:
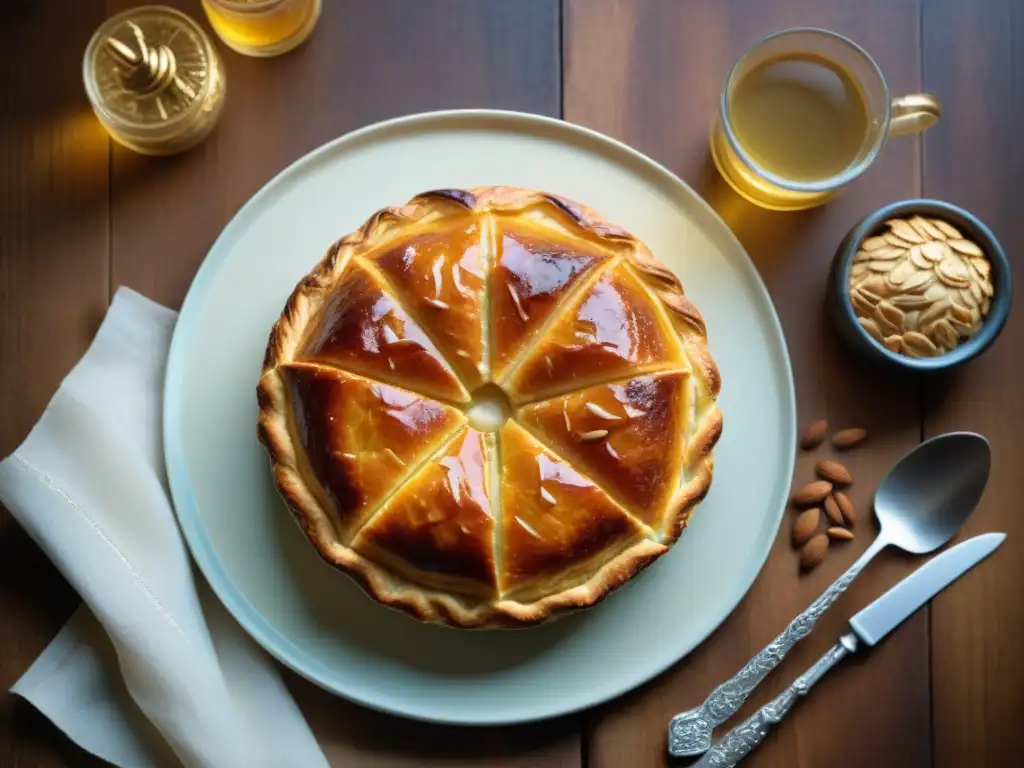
(966, 247)
(893, 343)
(885, 325)
(601, 413)
(846, 507)
(847, 438)
(891, 313)
(911, 301)
(874, 243)
(919, 345)
(935, 311)
(860, 303)
(919, 259)
(812, 493)
(926, 229)
(952, 271)
(919, 282)
(896, 242)
(594, 434)
(947, 229)
(943, 334)
(900, 273)
(813, 552)
(982, 266)
(840, 534)
(871, 328)
(805, 525)
(833, 471)
(967, 298)
(960, 312)
(832, 511)
(880, 266)
(814, 434)
(985, 306)
(912, 320)
(902, 229)
(987, 289)
(857, 270)
(934, 252)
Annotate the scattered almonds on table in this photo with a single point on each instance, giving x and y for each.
(824, 494)
(922, 288)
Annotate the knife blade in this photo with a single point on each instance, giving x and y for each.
(895, 606)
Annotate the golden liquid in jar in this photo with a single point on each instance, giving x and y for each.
(799, 117)
(262, 27)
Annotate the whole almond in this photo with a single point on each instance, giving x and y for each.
(833, 471)
(838, 533)
(814, 435)
(813, 552)
(812, 493)
(845, 507)
(832, 511)
(805, 525)
(847, 438)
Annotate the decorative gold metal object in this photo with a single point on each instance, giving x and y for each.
(154, 79)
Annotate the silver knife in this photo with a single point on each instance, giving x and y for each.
(866, 628)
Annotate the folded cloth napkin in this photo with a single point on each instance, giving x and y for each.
(88, 485)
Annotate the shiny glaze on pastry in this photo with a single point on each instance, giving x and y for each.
(446, 310)
(555, 521)
(629, 435)
(532, 274)
(362, 328)
(610, 331)
(361, 438)
(439, 526)
(439, 275)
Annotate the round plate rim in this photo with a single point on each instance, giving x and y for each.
(184, 503)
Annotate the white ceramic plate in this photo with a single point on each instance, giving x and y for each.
(310, 616)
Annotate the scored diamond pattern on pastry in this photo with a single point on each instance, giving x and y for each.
(627, 435)
(362, 328)
(438, 273)
(361, 438)
(612, 330)
(556, 523)
(534, 271)
(438, 528)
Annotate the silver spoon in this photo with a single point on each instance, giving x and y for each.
(920, 505)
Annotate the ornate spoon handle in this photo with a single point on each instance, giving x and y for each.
(689, 733)
(742, 739)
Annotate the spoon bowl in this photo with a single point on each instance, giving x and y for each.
(929, 494)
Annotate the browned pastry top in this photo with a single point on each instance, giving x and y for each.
(489, 406)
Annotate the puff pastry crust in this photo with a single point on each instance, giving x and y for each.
(373, 369)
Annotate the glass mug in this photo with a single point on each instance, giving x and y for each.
(262, 27)
(804, 112)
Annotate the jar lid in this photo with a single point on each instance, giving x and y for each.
(149, 67)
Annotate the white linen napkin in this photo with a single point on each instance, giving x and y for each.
(88, 485)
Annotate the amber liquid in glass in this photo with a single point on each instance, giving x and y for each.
(262, 27)
(799, 117)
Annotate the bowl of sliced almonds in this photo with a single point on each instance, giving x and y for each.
(920, 285)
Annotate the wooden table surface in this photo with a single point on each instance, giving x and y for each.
(80, 216)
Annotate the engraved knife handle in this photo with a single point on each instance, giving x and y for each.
(742, 739)
(689, 733)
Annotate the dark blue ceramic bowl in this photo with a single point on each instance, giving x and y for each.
(838, 297)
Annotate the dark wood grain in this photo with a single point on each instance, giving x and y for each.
(54, 280)
(973, 158)
(650, 72)
(366, 61)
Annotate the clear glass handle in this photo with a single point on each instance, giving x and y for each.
(914, 113)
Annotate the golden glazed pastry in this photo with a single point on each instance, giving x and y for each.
(490, 406)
